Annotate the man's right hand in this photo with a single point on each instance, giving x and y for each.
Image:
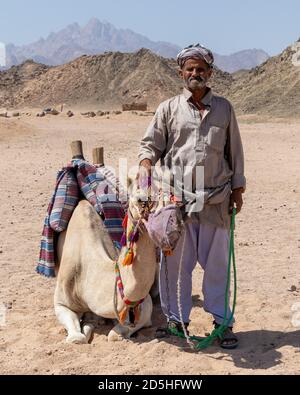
(146, 163)
(144, 174)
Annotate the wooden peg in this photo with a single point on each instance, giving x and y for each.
(98, 156)
(76, 148)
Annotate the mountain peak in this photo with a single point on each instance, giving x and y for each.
(96, 29)
(97, 37)
(93, 22)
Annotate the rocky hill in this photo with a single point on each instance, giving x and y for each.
(100, 80)
(115, 78)
(16, 79)
(272, 88)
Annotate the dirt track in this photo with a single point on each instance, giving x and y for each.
(267, 244)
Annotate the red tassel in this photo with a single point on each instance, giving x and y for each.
(125, 221)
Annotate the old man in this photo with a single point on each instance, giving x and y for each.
(198, 129)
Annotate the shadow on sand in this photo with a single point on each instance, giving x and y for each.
(258, 349)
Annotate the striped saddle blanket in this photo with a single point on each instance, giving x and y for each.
(79, 179)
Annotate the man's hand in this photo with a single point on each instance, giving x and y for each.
(236, 200)
(146, 163)
(144, 174)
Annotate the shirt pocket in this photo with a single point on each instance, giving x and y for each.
(216, 138)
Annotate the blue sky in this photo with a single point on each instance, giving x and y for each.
(225, 26)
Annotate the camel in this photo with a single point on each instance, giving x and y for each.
(86, 279)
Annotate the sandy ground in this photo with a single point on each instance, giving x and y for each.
(267, 249)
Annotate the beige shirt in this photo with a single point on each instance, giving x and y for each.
(183, 137)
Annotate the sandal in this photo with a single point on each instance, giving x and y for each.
(228, 340)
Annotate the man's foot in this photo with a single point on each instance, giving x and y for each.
(173, 328)
(228, 340)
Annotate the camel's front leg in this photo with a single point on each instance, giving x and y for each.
(120, 332)
(71, 322)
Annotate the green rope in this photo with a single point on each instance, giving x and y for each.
(178, 333)
(218, 332)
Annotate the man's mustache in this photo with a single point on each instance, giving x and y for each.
(199, 79)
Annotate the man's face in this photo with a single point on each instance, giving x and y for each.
(195, 74)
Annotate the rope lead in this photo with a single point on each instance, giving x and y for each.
(199, 343)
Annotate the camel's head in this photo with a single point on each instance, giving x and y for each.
(160, 216)
(143, 199)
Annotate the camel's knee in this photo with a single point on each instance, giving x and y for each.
(71, 322)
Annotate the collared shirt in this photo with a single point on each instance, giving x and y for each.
(181, 135)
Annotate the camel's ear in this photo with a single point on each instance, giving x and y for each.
(130, 181)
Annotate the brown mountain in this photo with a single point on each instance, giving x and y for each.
(115, 78)
(272, 88)
(101, 80)
(14, 81)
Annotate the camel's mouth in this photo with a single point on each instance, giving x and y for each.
(144, 203)
(145, 208)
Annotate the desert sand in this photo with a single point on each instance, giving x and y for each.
(267, 251)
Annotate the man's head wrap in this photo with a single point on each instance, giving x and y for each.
(195, 51)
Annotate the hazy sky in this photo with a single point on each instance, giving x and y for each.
(225, 26)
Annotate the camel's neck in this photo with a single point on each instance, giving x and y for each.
(142, 246)
(139, 276)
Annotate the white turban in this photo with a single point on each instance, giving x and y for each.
(195, 51)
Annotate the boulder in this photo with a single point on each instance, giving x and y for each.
(89, 114)
(102, 113)
(51, 111)
(135, 107)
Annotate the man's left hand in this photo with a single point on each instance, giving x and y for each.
(236, 200)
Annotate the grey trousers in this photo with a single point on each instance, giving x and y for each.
(208, 245)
